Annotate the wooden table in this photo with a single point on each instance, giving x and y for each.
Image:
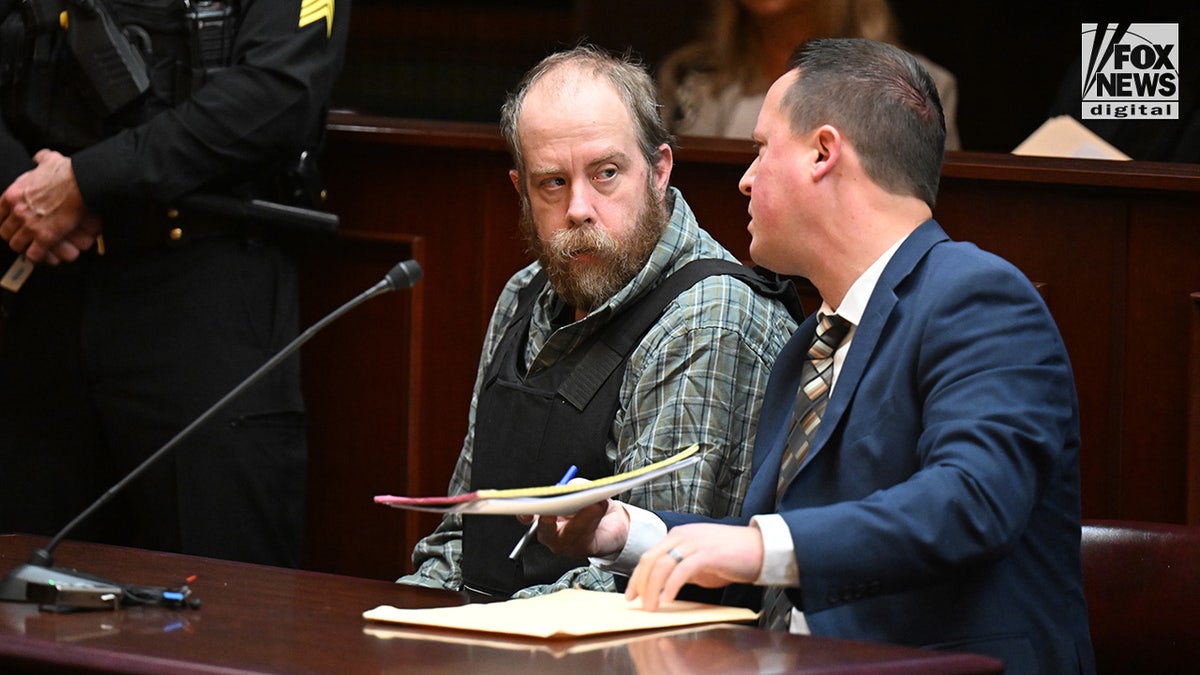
(256, 619)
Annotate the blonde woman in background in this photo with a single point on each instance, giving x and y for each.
(715, 86)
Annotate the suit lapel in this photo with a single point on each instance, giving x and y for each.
(866, 336)
(774, 419)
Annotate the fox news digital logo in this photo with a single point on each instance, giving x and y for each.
(1131, 71)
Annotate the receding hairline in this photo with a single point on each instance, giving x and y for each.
(629, 78)
(580, 78)
(563, 82)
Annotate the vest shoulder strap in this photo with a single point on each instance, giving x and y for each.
(616, 342)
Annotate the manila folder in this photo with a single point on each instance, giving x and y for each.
(567, 613)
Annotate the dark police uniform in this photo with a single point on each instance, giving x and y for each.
(105, 359)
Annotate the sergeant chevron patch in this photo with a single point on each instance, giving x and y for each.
(312, 11)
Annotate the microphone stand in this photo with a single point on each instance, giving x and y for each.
(38, 578)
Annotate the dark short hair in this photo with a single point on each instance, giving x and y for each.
(882, 100)
(626, 74)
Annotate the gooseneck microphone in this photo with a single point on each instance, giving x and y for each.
(38, 579)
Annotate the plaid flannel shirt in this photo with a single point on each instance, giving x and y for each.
(696, 377)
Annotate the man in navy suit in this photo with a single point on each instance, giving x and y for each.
(936, 500)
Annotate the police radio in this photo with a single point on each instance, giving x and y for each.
(212, 25)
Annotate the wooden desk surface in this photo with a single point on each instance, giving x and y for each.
(265, 619)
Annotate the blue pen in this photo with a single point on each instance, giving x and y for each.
(533, 526)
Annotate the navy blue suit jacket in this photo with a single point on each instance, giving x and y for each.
(939, 503)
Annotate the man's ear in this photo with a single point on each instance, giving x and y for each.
(827, 142)
(516, 179)
(662, 168)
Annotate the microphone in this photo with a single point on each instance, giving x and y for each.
(38, 580)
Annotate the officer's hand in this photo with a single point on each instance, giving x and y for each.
(43, 206)
(77, 241)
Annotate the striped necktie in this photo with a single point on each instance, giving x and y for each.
(816, 376)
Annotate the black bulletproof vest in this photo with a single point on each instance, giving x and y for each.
(529, 429)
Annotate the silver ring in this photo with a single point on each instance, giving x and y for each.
(675, 555)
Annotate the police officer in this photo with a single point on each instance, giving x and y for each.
(135, 305)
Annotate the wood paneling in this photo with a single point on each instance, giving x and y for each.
(1193, 443)
(361, 377)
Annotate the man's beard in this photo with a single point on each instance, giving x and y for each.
(613, 264)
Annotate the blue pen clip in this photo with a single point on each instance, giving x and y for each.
(571, 471)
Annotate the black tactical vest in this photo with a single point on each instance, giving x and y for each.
(529, 429)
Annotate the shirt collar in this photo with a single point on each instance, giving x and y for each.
(854, 305)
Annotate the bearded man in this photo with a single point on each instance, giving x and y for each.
(605, 353)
